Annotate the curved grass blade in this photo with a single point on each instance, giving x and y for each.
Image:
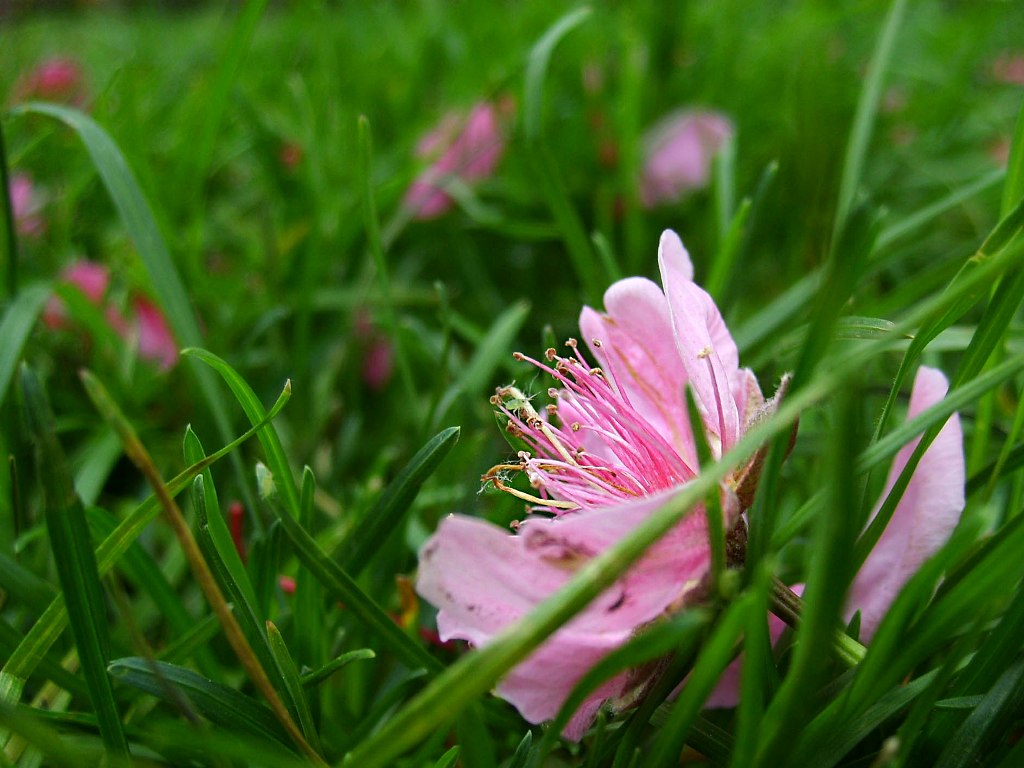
(329, 573)
(385, 517)
(75, 561)
(17, 324)
(1013, 189)
(537, 68)
(449, 758)
(221, 705)
(135, 212)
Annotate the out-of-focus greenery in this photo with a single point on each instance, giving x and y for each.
(241, 125)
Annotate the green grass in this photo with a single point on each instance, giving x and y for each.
(864, 221)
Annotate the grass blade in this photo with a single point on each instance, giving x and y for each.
(18, 322)
(76, 562)
(221, 705)
(395, 502)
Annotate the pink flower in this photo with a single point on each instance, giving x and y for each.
(147, 325)
(923, 520)
(26, 204)
(55, 79)
(461, 147)
(156, 340)
(611, 449)
(678, 151)
(1008, 68)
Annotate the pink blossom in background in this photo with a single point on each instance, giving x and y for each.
(290, 155)
(147, 325)
(156, 340)
(378, 363)
(463, 147)
(26, 205)
(1008, 68)
(678, 151)
(58, 78)
(922, 522)
(611, 450)
(92, 279)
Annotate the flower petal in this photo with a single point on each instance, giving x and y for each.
(707, 349)
(925, 516)
(639, 352)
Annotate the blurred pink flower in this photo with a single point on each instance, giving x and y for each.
(378, 363)
(156, 340)
(463, 147)
(923, 520)
(290, 155)
(678, 151)
(58, 78)
(26, 205)
(147, 325)
(620, 446)
(1008, 67)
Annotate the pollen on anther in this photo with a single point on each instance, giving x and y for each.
(552, 392)
(518, 356)
(575, 426)
(571, 343)
(596, 343)
(550, 353)
(706, 352)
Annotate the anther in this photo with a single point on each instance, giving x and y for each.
(550, 353)
(596, 343)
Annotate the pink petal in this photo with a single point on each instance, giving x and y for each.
(925, 516)
(156, 341)
(707, 350)
(638, 350)
(483, 579)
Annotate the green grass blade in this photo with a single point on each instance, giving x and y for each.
(51, 623)
(223, 706)
(18, 322)
(715, 656)
(76, 562)
(1013, 189)
(320, 675)
(10, 234)
(387, 514)
(988, 722)
(329, 573)
(537, 69)
(867, 111)
(135, 212)
(308, 637)
(196, 162)
(294, 693)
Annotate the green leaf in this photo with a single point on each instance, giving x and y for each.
(75, 561)
(867, 111)
(449, 758)
(988, 722)
(135, 212)
(388, 513)
(320, 675)
(19, 319)
(537, 69)
(308, 636)
(295, 696)
(223, 706)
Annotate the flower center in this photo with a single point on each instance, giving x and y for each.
(598, 451)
